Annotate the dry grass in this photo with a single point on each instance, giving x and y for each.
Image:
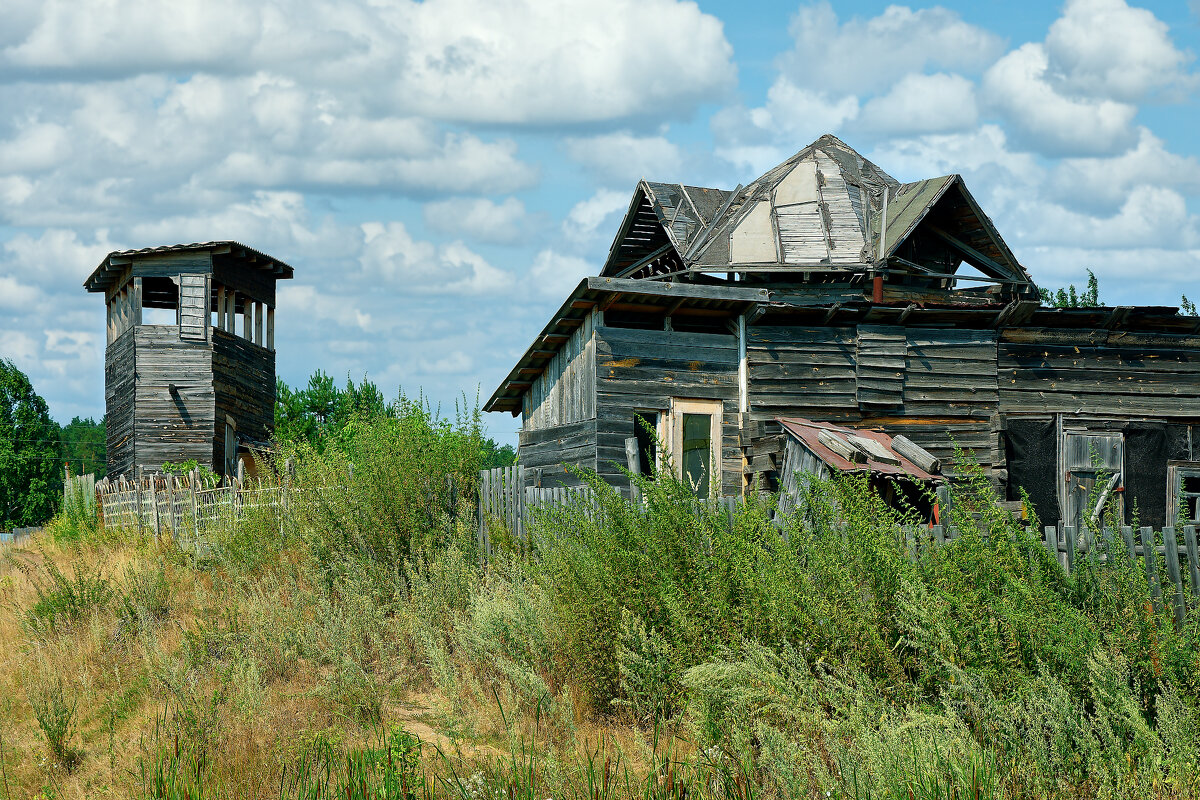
(235, 670)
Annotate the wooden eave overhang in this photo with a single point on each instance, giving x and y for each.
(1104, 325)
(617, 294)
(114, 264)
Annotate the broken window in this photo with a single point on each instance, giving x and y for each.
(1183, 493)
(645, 431)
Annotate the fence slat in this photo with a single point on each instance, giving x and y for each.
(1189, 539)
(1171, 554)
(1151, 561)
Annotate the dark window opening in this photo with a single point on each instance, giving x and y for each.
(1191, 484)
(645, 427)
(160, 301)
(697, 452)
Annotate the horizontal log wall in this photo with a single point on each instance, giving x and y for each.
(173, 406)
(938, 387)
(243, 375)
(1099, 372)
(544, 453)
(645, 369)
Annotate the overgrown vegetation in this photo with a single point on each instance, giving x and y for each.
(1070, 297)
(357, 647)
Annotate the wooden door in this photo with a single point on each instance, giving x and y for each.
(696, 444)
(1092, 461)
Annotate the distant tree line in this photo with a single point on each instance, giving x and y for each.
(321, 413)
(35, 450)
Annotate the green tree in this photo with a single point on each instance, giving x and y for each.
(1070, 297)
(321, 413)
(83, 446)
(30, 465)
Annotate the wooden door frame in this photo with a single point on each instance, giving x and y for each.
(715, 409)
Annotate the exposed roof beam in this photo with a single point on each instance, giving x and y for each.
(974, 257)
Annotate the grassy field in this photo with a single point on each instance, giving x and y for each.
(358, 649)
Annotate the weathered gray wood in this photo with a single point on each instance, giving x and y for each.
(1071, 546)
(1051, 541)
(1171, 555)
(842, 448)
(916, 454)
(1150, 556)
(1193, 555)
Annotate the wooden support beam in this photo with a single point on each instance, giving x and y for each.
(258, 323)
(270, 327)
(974, 257)
(221, 307)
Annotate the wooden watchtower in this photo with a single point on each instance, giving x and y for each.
(189, 370)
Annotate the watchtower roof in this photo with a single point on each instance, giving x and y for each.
(110, 269)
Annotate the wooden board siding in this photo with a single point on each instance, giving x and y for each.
(879, 367)
(935, 386)
(173, 398)
(1099, 372)
(244, 388)
(118, 404)
(546, 450)
(950, 396)
(565, 391)
(644, 369)
(258, 285)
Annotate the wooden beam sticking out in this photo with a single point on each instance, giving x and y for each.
(841, 447)
(829, 315)
(530, 371)
(555, 338)
(610, 301)
(566, 322)
(916, 454)
(974, 257)
(584, 305)
(1118, 315)
(874, 450)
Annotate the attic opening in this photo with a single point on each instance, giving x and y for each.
(160, 301)
(945, 242)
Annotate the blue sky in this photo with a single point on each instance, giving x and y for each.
(441, 173)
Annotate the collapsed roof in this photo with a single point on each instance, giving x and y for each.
(824, 211)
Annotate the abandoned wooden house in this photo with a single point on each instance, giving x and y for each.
(189, 370)
(826, 291)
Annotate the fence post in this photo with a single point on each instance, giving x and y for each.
(137, 494)
(1069, 535)
(1171, 552)
(484, 487)
(195, 481)
(154, 506)
(1189, 539)
(1151, 559)
(634, 465)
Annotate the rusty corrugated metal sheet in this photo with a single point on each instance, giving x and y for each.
(807, 432)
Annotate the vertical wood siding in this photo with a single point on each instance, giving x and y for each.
(565, 391)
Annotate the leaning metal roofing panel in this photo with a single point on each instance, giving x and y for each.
(808, 432)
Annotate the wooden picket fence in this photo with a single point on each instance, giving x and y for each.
(505, 502)
(185, 506)
(80, 489)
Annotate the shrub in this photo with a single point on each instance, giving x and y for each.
(61, 600)
(55, 714)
